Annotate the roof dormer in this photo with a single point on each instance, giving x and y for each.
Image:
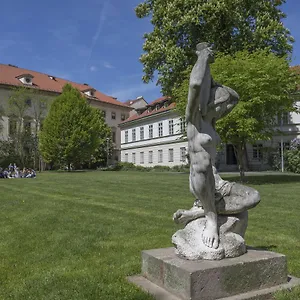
(26, 78)
(89, 92)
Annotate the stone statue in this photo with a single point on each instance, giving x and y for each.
(216, 224)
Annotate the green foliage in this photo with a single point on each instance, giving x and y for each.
(72, 131)
(265, 84)
(292, 157)
(231, 25)
(1, 118)
(26, 104)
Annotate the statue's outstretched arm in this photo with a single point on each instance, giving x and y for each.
(195, 85)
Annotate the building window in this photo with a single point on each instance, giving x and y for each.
(230, 155)
(133, 135)
(157, 107)
(104, 114)
(113, 136)
(160, 129)
(28, 102)
(182, 125)
(123, 117)
(12, 126)
(150, 131)
(171, 127)
(27, 127)
(113, 115)
(286, 146)
(171, 155)
(142, 157)
(283, 119)
(126, 136)
(150, 158)
(141, 133)
(183, 154)
(160, 156)
(126, 157)
(133, 158)
(257, 151)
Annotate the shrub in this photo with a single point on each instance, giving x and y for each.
(293, 157)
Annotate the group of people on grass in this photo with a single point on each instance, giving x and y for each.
(12, 171)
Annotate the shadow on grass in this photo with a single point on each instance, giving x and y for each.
(265, 179)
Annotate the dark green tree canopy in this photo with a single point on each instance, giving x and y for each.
(231, 25)
(73, 130)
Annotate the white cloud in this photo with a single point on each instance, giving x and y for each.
(93, 69)
(107, 65)
(102, 19)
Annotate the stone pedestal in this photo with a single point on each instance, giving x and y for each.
(254, 275)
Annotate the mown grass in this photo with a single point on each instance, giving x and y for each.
(78, 235)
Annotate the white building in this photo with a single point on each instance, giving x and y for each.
(153, 136)
(49, 87)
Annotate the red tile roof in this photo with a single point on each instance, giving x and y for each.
(296, 69)
(9, 76)
(159, 100)
(146, 113)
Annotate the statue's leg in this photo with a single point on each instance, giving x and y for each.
(240, 198)
(202, 185)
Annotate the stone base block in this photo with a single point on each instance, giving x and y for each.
(229, 278)
(265, 294)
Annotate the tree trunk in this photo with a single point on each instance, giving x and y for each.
(239, 151)
(69, 167)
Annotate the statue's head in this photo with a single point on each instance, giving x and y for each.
(205, 50)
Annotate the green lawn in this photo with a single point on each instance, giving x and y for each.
(78, 235)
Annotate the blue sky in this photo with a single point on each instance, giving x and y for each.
(93, 41)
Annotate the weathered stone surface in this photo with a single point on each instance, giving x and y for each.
(160, 293)
(209, 101)
(205, 279)
(189, 243)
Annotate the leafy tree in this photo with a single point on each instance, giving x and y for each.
(19, 104)
(27, 104)
(72, 130)
(1, 118)
(231, 25)
(265, 85)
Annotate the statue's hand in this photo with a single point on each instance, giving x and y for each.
(179, 216)
(183, 216)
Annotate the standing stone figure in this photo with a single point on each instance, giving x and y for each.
(216, 224)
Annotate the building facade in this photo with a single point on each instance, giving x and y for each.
(48, 87)
(154, 136)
